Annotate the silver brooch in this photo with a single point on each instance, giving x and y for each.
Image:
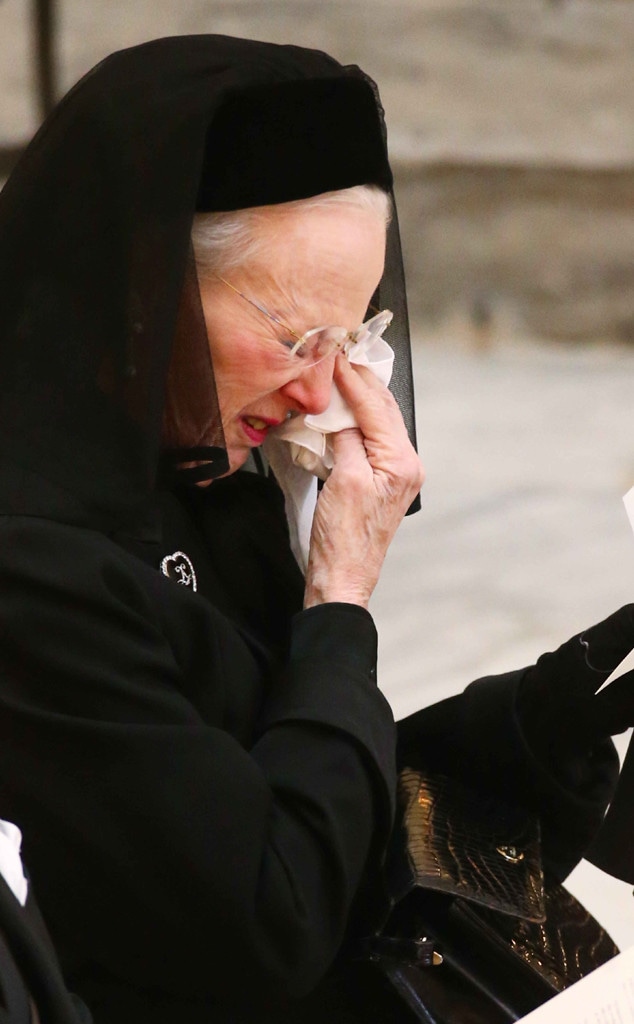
(178, 567)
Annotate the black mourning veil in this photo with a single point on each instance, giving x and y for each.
(98, 287)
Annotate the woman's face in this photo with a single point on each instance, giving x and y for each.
(318, 267)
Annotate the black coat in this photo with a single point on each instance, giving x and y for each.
(187, 804)
(202, 796)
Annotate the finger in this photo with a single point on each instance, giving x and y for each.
(355, 378)
(387, 444)
(348, 446)
(352, 371)
(374, 407)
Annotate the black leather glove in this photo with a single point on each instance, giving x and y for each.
(559, 708)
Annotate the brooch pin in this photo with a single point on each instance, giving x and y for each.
(178, 567)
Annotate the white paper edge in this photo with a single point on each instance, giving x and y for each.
(603, 996)
(628, 501)
(628, 661)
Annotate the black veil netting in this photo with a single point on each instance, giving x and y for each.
(98, 287)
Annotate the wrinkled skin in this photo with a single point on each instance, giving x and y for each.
(316, 267)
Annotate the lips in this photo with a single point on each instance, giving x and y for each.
(256, 427)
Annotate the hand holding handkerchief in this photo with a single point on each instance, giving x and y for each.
(301, 448)
(309, 436)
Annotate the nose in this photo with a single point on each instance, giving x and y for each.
(310, 390)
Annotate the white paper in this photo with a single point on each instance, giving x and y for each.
(628, 661)
(626, 666)
(628, 501)
(604, 997)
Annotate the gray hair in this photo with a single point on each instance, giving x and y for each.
(225, 241)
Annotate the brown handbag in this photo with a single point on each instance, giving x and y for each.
(475, 934)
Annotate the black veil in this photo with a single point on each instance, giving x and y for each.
(98, 287)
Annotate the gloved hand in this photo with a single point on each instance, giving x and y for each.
(559, 708)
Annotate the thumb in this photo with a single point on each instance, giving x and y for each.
(347, 446)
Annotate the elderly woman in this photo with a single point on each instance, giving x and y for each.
(192, 738)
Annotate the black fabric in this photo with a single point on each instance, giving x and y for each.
(29, 971)
(392, 295)
(611, 849)
(567, 715)
(267, 160)
(98, 289)
(562, 701)
(160, 755)
(244, 513)
(159, 773)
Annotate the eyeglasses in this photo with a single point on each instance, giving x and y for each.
(320, 342)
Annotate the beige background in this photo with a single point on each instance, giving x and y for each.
(510, 128)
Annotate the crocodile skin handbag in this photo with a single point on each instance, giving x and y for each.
(475, 934)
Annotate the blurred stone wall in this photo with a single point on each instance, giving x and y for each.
(499, 248)
(511, 131)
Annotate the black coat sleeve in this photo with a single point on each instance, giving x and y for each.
(169, 845)
(476, 736)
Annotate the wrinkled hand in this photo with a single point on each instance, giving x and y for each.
(375, 477)
(558, 704)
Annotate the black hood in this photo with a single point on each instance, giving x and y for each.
(98, 288)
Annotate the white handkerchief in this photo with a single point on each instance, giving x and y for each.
(10, 860)
(300, 450)
(309, 436)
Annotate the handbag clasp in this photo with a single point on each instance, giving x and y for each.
(406, 952)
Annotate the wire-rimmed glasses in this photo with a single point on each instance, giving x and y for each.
(306, 350)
